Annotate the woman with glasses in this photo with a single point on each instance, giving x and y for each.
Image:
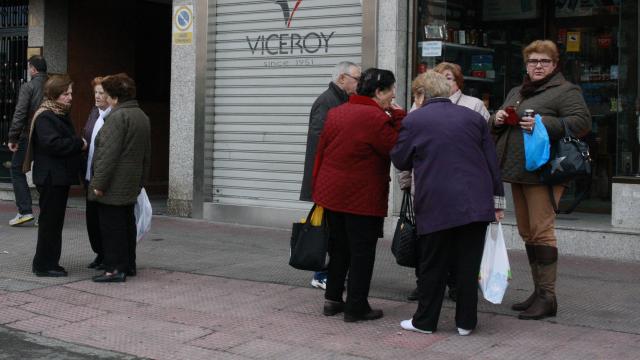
(547, 93)
(351, 181)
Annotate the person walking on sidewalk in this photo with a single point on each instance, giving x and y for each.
(547, 92)
(345, 80)
(351, 181)
(458, 191)
(29, 100)
(90, 131)
(56, 152)
(120, 165)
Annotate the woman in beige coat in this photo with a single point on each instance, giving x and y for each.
(547, 93)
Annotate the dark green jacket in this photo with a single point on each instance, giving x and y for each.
(122, 155)
(556, 99)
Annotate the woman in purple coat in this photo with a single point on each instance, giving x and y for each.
(458, 191)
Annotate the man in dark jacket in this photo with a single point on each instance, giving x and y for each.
(29, 99)
(345, 81)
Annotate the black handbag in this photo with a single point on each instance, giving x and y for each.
(309, 244)
(569, 160)
(405, 238)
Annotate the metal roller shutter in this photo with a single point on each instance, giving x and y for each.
(271, 60)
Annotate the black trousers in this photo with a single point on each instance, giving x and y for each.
(118, 233)
(53, 205)
(93, 228)
(465, 243)
(352, 249)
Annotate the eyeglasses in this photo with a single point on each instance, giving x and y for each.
(356, 78)
(542, 62)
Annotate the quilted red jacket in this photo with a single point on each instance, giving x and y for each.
(351, 171)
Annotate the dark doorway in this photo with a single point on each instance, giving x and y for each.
(108, 37)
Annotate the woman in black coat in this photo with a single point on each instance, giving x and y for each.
(56, 152)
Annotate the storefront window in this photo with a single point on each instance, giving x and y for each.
(598, 41)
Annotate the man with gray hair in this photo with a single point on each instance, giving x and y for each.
(345, 81)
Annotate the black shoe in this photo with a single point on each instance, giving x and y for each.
(132, 272)
(371, 315)
(96, 263)
(50, 273)
(453, 294)
(113, 277)
(415, 295)
(332, 307)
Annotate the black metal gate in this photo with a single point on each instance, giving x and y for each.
(13, 69)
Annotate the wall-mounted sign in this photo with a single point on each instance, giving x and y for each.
(34, 50)
(183, 25)
(573, 41)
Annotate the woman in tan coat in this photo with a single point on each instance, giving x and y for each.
(545, 91)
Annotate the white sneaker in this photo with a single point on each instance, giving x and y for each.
(464, 332)
(21, 219)
(408, 325)
(319, 284)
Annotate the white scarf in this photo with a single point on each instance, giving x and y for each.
(96, 128)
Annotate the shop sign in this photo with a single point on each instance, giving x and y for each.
(287, 42)
(293, 43)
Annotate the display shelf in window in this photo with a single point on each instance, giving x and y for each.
(470, 48)
(479, 79)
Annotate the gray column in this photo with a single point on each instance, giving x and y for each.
(48, 27)
(393, 50)
(186, 149)
(36, 23)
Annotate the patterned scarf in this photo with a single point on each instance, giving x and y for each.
(58, 109)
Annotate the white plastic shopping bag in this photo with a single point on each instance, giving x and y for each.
(143, 213)
(495, 271)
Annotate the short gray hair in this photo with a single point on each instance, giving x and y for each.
(343, 67)
(435, 85)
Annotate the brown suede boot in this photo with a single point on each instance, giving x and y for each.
(545, 304)
(531, 255)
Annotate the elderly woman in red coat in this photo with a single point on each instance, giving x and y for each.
(351, 181)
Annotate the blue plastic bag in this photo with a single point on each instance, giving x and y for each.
(536, 146)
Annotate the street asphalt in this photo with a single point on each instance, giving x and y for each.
(219, 291)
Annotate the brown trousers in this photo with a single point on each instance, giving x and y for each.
(534, 213)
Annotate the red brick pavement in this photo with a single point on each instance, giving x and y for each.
(172, 315)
